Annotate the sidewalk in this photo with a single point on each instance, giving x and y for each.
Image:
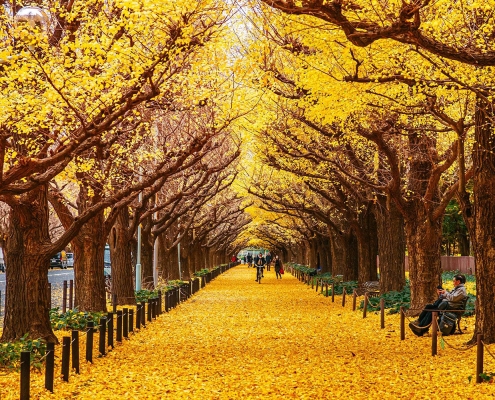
(237, 339)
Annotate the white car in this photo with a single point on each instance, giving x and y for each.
(70, 259)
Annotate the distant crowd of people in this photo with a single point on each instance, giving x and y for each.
(260, 262)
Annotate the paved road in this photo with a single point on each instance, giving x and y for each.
(55, 276)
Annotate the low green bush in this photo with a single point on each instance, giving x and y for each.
(10, 353)
(73, 319)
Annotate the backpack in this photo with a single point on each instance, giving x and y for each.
(446, 325)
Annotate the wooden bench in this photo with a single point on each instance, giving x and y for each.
(371, 288)
(460, 313)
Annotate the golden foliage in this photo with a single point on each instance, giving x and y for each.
(274, 340)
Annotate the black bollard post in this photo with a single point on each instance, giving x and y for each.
(64, 297)
(65, 358)
(333, 292)
(382, 313)
(138, 316)
(167, 301)
(131, 320)
(365, 308)
(71, 294)
(159, 302)
(434, 333)
(143, 313)
(150, 308)
(103, 334)
(89, 341)
(479, 357)
(25, 374)
(125, 322)
(119, 326)
(402, 324)
(343, 297)
(75, 350)
(110, 329)
(354, 297)
(49, 366)
(326, 289)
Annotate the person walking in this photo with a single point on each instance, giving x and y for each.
(268, 261)
(63, 258)
(278, 267)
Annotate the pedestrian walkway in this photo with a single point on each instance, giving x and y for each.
(237, 339)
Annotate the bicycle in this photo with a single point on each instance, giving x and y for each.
(259, 274)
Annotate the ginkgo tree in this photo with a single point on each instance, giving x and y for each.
(334, 110)
(455, 38)
(70, 90)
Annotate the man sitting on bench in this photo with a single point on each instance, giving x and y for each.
(453, 300)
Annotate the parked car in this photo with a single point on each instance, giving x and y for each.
(56, 261)
(70, 259)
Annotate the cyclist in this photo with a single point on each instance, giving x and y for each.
(249, 260)
(260, 265)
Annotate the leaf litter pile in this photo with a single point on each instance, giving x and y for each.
(278, 339)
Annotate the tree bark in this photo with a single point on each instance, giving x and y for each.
(484, 204)
(120, 250)
(391, 246)
(147, 254)
(27, 303)
(89, 249)
(366, 236)
(351, 258)
(423, 238)
(336, 252)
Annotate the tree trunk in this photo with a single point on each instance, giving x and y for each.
(120, 250)
(147, 254)
(325, 254)
(313, 253)
(89, 250)
(367, 247)
(463, 240)
(337, 253)
(484, 204)
(351, 259)
(27, 303)
(391, 247)
(424, 238)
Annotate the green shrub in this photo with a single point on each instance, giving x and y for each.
(73, 319)
(10, 353)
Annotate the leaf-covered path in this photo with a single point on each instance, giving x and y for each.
(237, 339)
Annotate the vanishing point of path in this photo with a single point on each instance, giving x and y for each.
(237, 339)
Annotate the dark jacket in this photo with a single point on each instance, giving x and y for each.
(259, 261)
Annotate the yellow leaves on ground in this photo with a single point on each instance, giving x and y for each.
(238, 339)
